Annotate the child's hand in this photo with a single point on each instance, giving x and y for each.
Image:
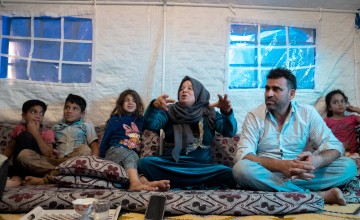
(55, 153)
(353, 109)
(33, 127)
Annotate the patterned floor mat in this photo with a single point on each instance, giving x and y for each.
(331, 212)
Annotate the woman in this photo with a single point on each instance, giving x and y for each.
(189, 127)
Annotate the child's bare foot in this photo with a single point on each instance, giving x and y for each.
(141, 186)
(13, 182)
(31, 180)
(162, 185)
(333, 196)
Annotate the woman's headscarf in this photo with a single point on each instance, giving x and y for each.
(183, 116)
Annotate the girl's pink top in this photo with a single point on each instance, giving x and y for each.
(344, 130)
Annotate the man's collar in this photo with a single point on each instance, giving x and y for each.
(293, 108)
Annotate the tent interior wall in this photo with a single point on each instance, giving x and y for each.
(150, 46)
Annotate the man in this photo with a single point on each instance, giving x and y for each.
(271, 151)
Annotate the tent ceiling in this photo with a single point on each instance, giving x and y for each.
(348, 5)
(324, 4)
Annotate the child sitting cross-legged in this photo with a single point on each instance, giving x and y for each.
(73, 136)
(30, 144)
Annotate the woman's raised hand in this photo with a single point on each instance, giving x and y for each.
(162, 101)
(223, 103)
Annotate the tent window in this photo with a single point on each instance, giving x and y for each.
(46, 49)
(255, 49)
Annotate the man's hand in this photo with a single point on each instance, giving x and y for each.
(294, 169)
(304, 166)
(223, 103)
(162, 101)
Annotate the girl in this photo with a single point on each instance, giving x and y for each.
(121, 140)
(343, 126)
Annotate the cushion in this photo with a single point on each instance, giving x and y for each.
(5, 135)
(352, 190)
(224, 149)
(92, 166)
(320, 106)
(151, 143)
(84, 182)
(199, 202)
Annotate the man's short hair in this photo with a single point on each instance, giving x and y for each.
(33, 102)
(283, 72)
(77, 100)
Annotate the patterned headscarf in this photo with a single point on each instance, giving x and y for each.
(183, 116)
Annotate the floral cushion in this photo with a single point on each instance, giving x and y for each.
(151, 143)
(5, 135)
(352, 190)
(199, 202)
(91, 166)
(85, 182)
(224, 149)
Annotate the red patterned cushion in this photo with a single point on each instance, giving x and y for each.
(224, 149)
(85, 182)
(5, 132)
(91, 166)
(151, 143)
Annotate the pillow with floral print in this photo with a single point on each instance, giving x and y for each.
(92, 166)
(84, 182)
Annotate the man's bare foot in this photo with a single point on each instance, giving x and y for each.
(162, 185)
(13, 182)
(333, 196)
(31, 180)
(141, 186)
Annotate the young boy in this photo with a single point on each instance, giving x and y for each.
(74, 137)
(30, 137)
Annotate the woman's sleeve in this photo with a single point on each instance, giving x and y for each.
(226, 124)
(154, 119)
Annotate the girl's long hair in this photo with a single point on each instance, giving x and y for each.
(328, 97)
(118, 110)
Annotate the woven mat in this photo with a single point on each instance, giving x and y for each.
(10, 216)
(331, 212)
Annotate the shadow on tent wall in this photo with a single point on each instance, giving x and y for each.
(357, 20)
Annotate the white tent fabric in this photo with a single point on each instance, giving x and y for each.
(130, 41)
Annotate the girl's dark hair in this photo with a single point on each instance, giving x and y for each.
(328, 100)
(120, 101)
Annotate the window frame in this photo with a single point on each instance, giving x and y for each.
(258, 46)
(4, 75)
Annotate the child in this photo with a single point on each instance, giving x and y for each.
(29, 138)
(121, 140)
(343, 126)
(74, 137)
